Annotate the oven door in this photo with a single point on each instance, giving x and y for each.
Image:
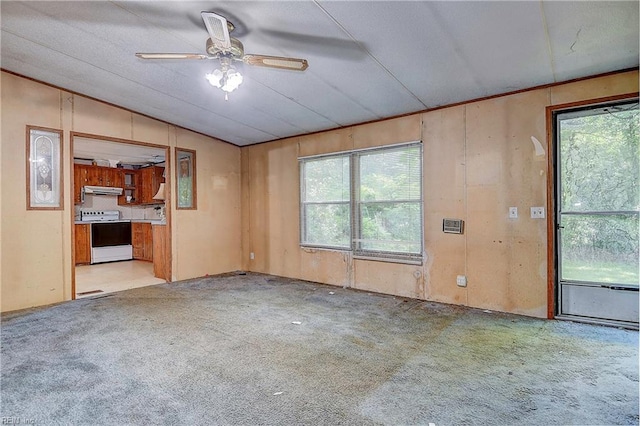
(111, 241)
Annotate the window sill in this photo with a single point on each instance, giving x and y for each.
(389, 260)
(312, 249)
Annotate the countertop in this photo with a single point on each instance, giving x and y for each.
(151, 221)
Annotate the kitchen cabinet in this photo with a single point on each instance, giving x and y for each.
(150, 180)
(142, 241)
(104, 176)
(83, 244)
(160, 269)
(95, 176)
(84, 175)
(112, 177)
(131, 188)
(80, 179)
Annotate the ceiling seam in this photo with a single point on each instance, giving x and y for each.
(342, 28)
(294, 101)
(151, 24)
(548, 40)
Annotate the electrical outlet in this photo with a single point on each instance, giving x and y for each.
(461, 280)
(252, 256)
(513, 212)
(537, 212)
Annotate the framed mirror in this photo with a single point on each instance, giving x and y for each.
(186, 188)
(44, 168)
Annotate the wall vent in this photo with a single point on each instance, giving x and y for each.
(453, 226)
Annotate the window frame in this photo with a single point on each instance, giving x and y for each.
(355, 206)
(304, 204)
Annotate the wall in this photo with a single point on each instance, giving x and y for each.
(479, 160)
(35, 248)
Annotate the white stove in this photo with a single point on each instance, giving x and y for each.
(110, 236)
(99, 215)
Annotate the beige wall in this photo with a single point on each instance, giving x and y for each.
(479, 160)
(207, 240)
(35, 248)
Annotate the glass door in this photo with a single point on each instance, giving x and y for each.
(598, 204)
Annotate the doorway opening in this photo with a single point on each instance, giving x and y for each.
(597, 203)
(121, 224)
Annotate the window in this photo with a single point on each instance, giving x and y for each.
(186, 187)
(366, 201)
(325, 206)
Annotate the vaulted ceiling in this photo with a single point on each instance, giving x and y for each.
(367, 60)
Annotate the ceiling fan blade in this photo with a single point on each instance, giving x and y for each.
(171, 56)
(218, 30)
(293, 64)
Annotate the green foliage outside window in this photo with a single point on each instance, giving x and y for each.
(383, 212)
(600, 172)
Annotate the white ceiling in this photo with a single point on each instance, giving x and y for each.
(116, 152)
(367, 60)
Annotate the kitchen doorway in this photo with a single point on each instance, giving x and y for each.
(121, 223)
(597, 232)
(110, 277)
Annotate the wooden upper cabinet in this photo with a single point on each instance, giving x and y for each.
(141, 185)
(102, 176)
(80, 179)
(84, 175)
(130, 180)
(113, 177)
(150, 180)
(95, 176)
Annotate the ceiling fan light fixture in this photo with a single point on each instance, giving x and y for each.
(227, 79)
(215, 78)
(232, 81)
(221, 46)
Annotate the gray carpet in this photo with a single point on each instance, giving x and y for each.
(226, 350)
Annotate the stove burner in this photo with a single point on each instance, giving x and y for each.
(99, 215)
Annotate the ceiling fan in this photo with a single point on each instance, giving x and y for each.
(226, 50)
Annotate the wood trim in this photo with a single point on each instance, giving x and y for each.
(194, 179)
(594, 102)
(551, 187)
(167, 150)
(551, 217)
(72, 212)
(28, 168)
(113, 139)
(168, 220)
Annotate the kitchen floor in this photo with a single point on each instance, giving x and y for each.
(102, 278)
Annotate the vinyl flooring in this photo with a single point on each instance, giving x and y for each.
(114, 276)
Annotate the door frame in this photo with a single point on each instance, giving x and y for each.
(552, 258)
(167, 148)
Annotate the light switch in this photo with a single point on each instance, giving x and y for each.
(513, 212)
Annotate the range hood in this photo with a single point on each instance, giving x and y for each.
(102, 190)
